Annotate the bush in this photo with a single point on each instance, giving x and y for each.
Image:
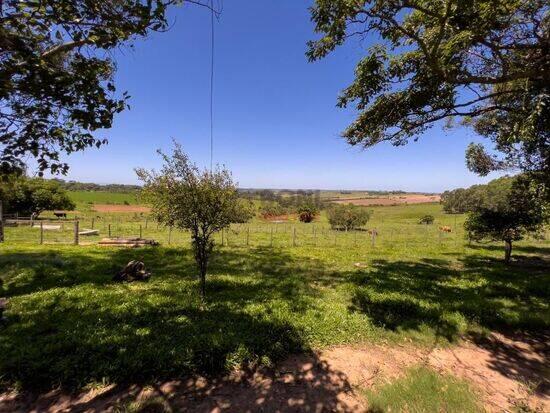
(347, 217)
(272, 209)
(307, 212)
(244, 211)
(427, 220)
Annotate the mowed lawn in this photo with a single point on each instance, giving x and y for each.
(69, 325)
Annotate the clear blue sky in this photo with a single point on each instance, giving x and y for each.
(276, 124)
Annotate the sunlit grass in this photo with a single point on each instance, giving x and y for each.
(68, 324)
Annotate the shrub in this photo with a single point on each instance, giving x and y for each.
(272, 209)
(427, 220)
(244, 211)
(347, 217)
(307, 212)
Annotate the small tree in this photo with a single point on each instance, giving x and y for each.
(427, 220)
(245, 210)
(516, 210)
(307, 212)
(347, 217)
(182, 196)
(32, 196)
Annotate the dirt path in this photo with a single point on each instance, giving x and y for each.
(506, 370)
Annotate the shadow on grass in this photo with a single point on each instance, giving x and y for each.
(301, 383)
(68, 325)
(452, 298)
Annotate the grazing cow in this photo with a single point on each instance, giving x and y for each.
(60, 214)
(445, 228)
(372, 232)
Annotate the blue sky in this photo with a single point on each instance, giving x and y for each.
(276, 123)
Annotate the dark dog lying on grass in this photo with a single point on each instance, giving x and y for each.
(133, 271)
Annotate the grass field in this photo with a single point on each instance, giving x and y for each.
(69, 325)
(97, 197)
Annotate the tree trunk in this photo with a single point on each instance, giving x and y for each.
(203, 283)
(507, 251)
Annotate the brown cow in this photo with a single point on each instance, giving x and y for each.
(445, 228)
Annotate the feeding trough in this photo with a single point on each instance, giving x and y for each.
(127, 242)
(89, 232)
(47, 227)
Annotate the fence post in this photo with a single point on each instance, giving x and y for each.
(93, 223)
(1, 223)
(293, 236)
(140, 232)
(41, 233)
(76, 240)
(109, 229)
(247, 236)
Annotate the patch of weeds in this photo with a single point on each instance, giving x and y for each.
(149, 405)
(423, 390)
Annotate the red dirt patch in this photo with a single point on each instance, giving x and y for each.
(504, 370)
(391, 200)
(280, 218)
(120, 208)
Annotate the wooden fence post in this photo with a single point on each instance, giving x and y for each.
(93, 223)
(140, 232)
(293, 236)
(247, 236)
(76, 240)
(41, 233)
(109, 229)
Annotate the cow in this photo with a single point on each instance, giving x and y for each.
(445, 228)
(372, 232)
(60, 214)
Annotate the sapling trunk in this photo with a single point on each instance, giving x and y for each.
(507, 251)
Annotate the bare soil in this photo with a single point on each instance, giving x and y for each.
(506, 371)
(391, 200)
(120, 208)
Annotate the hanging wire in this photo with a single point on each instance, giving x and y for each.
(212, 86)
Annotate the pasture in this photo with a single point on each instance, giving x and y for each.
(273, 290)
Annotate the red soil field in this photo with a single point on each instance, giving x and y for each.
(391, 200)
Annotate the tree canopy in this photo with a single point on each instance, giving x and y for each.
(31, 196)
(506, 209)
(56, 73)
(479, 62)
(185, 197)
(347, 217)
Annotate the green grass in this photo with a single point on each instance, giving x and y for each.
(423, 391)
(99, 197)
(69, 325)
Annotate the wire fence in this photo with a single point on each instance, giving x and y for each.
(397, 236)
